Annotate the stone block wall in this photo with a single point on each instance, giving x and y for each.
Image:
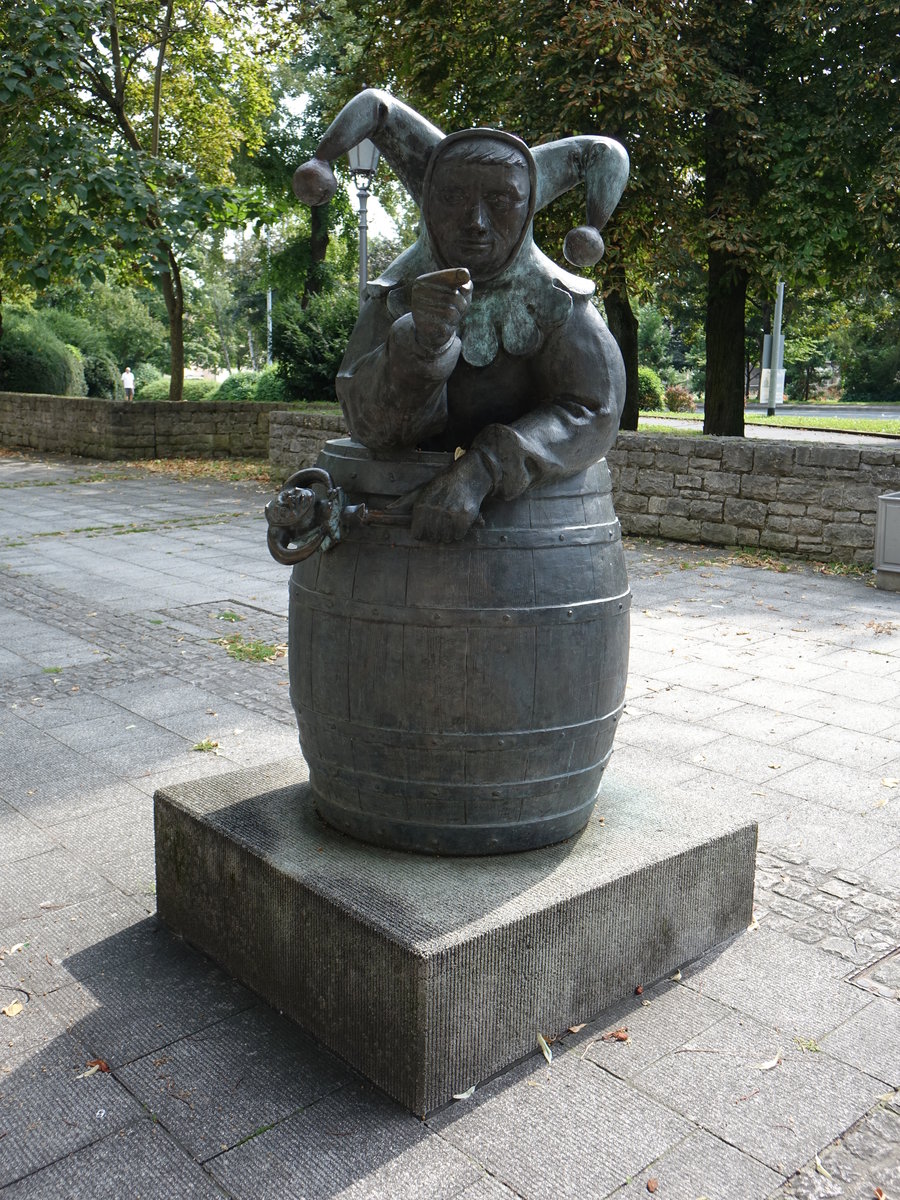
(296, 437)
(95, 428)
(815, 499)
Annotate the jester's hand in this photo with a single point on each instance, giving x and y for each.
(438, 304)
(448, 506)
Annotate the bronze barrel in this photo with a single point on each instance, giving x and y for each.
(461, 699)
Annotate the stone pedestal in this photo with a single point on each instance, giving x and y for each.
(431, 974)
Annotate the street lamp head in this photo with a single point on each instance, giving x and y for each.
(363, 163)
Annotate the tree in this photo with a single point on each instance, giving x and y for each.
(124, 118)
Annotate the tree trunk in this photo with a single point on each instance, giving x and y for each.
(170, 282)
(624, 328)
(725, 304)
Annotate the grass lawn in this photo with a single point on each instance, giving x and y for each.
(839, 424)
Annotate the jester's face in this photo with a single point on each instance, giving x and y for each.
(479, 204)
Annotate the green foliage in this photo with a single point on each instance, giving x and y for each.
(309, 343)
(144, 374)
(239, 387)
(679, 399)
(653, 339)
(101, 377)
(132, 330)
(195, 390)
(873, 371)
(33, 359)
(153, 392)
(270, 388)
(651, 394)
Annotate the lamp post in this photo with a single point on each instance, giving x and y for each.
(363, 165)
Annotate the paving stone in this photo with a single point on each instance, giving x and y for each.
(117, 843)
(870, 1041)
(846, 746)
(487, 1188)
(354, 1144)
(847, 788)
(771, 977)
(607, 1131)
(862, 1163)
(19, 837)
(658, 1021)
(762, 724)
(703, 1165)
(216, 1088)
(814, 831)
(779, 1114)
(143, 1003)
(139, 1162)
(46, 1111)
(102, 931)
(52, 879)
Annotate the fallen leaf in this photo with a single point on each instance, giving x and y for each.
(616, 1035)
(676, 978)
(890, 782)
(770, 1063)
(13, 1010)
(639, 990)
(576, 1028)
(880, 1194)
(652, 1185)
(774, 766)
(754, 924)
(86, 1074)
(821, 1169)
(545, 1049)
(466, 1095)
(99, 1063)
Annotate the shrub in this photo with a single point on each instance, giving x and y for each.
(76, 331)
(239, 387)
(152, 392)
(102, 377)
(145, 373)
(309, 342)
(34, 360)
(650, 389)
(196, 390)
(270, 388)
(679, 399)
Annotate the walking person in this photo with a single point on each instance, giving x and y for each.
(128, 383)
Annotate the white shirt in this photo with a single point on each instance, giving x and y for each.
(128, 380)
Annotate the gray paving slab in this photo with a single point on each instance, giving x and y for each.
(53, 879)
(758, 1090)
(870, 1041)
(217, 1088)
(138, 1005)
(702, 1165)
(19, 837)
(797, 989)
(607, 1131)
(46, 1111)
(103, 931)
(823, 836)
(139, 1162)
(352, 1144)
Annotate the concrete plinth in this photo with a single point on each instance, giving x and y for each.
(431, 974)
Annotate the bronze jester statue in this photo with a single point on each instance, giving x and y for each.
(477, 694)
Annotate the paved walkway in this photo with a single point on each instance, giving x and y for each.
(777, 693)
